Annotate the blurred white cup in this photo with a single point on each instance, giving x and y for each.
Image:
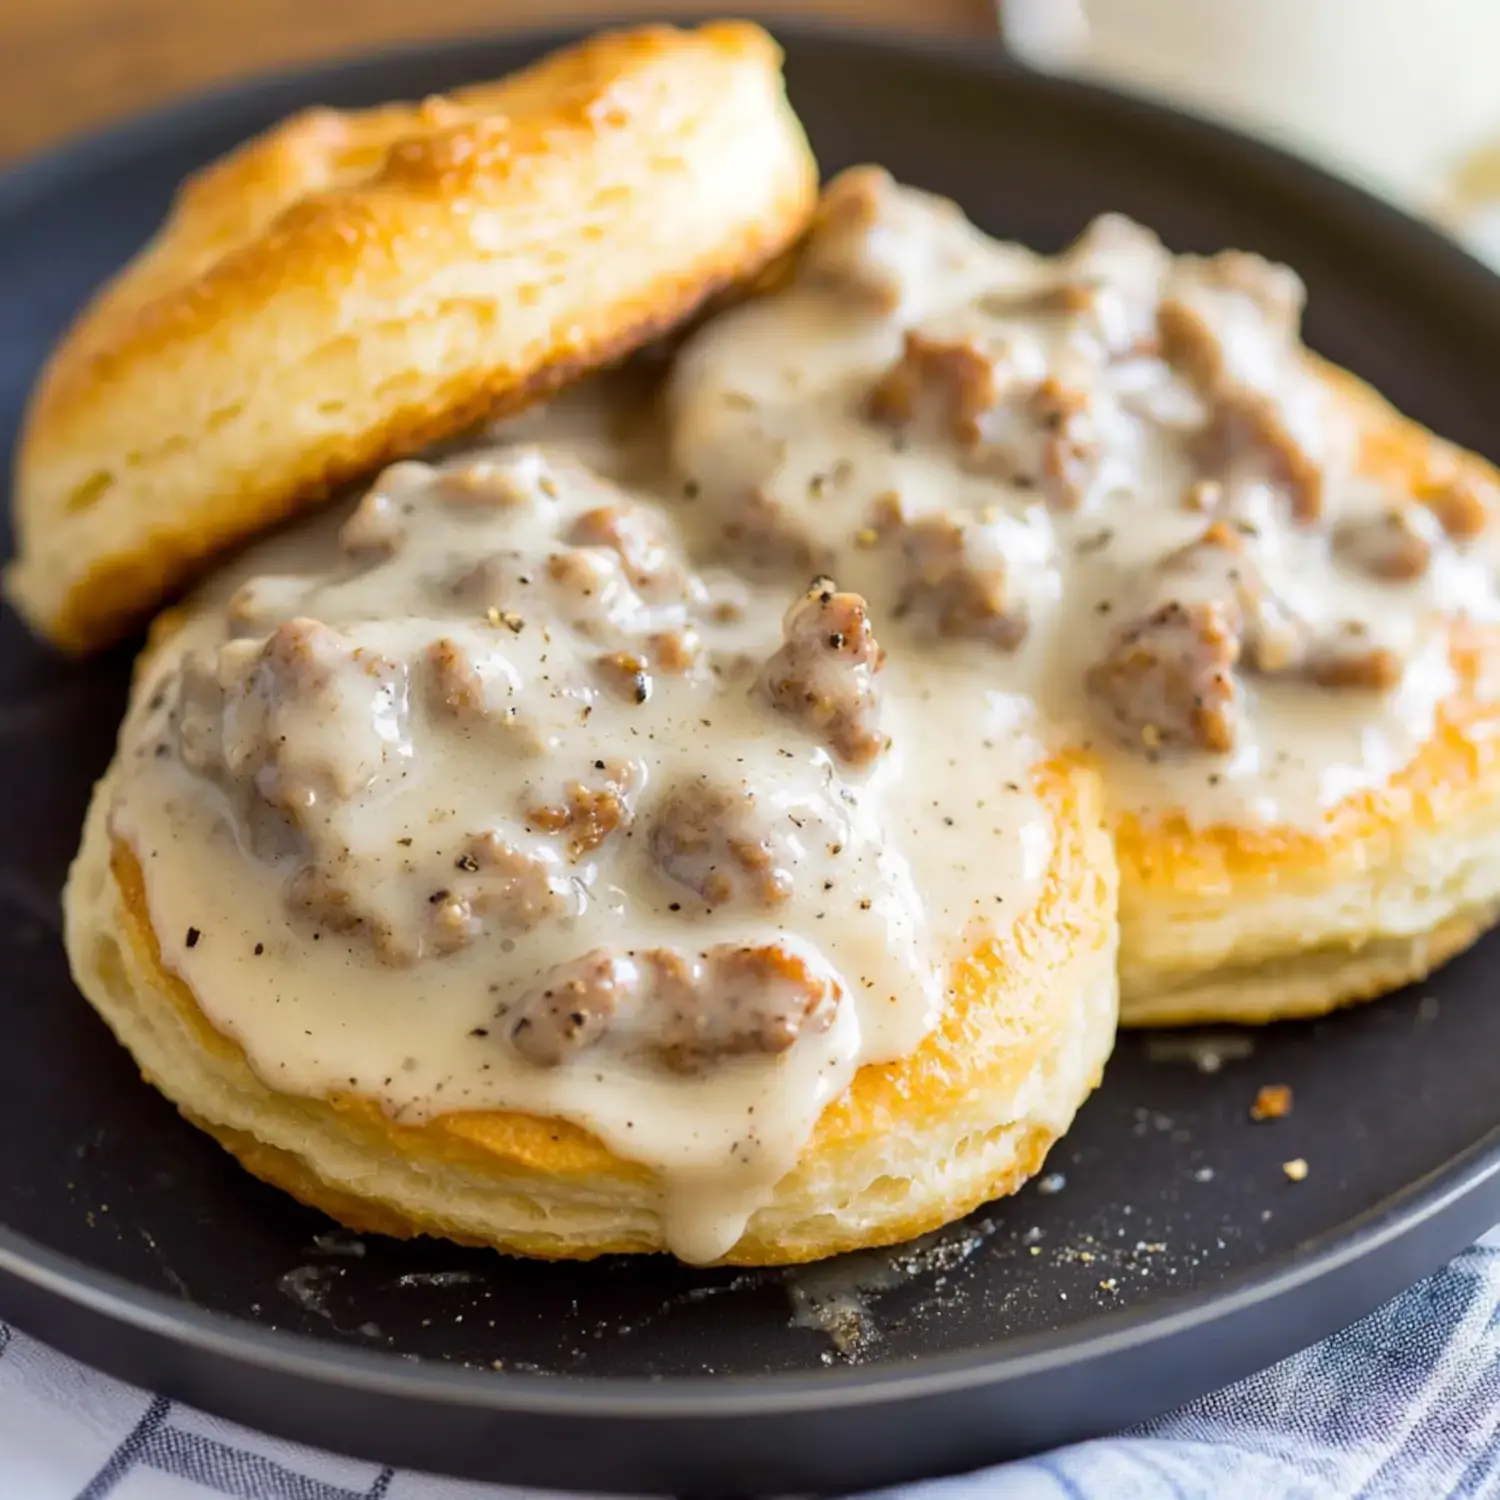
(1393, 92)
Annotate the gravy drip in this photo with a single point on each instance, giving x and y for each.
(1114, 469)
(484, 803)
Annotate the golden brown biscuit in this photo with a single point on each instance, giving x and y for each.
(912, 1145)
(351, 286)
(1114, 481)
(491, 871)
(1256, 924)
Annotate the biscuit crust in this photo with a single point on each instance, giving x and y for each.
(351, 286)
(1257, 924)
(911, 1145)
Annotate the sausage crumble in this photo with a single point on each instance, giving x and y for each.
(826, 676)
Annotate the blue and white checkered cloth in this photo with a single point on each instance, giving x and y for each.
(1403, 1406)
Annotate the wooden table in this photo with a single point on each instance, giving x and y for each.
(68, 64)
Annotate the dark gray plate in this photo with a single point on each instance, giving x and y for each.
(1174, 1256)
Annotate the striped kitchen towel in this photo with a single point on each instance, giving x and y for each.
(1403, 1406)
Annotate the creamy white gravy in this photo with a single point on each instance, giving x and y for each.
(358, 781)
(543, 787)
(887, 416)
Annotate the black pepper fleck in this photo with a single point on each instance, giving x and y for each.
(192, 937)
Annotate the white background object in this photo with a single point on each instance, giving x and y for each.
(1391, 92)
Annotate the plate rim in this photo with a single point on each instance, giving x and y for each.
(1433, 1203)
(1427, 1200)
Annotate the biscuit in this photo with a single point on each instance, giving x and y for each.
(351, 286)
(1115, 482)
(913, 1145)
(465, 874)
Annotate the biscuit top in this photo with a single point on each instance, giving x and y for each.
(325, 185)
(1122, 472)
(351, 286)
(499, 799)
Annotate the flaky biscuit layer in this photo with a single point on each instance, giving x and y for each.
(351, 286)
